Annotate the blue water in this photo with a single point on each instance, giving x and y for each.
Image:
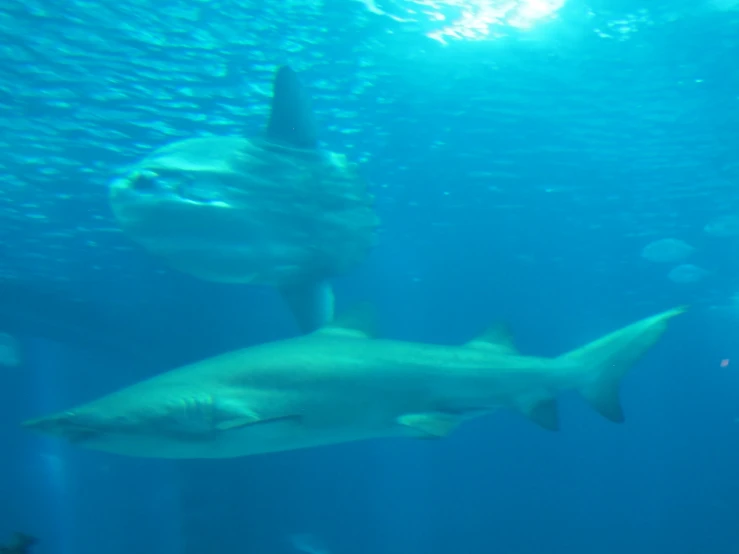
(519, 170)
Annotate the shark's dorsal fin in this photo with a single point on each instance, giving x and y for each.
(359, 322)
(291, 118)
(498, 337)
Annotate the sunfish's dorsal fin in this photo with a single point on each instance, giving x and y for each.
(291, 118)
(359, 322)
(498, 338)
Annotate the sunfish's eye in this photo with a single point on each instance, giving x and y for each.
(145, 180)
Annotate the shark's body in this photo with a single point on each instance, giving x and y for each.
(270, 210)
(338, 385)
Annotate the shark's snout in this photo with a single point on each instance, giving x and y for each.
(67, 425)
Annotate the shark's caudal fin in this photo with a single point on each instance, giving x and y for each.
(606, 360)
(291, 119)
(312, 304)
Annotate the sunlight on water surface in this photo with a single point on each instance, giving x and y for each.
(470, 19)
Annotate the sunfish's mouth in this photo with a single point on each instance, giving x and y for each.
(197, 189)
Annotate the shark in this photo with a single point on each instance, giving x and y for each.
(273, 209)
(341, 384)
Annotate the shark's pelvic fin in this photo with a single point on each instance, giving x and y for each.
(359, 322)
(609, 358)
(291, 119)
(497, 337)
(312, 304)
(431, 425)
(544, 412)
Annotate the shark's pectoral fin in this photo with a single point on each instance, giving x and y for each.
(232, 414)
(431, 425)
(498, 338)
(544, 412)
(240, 423)
(312, 304)
(236, 423)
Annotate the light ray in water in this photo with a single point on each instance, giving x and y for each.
(10, 350)
(308, 544)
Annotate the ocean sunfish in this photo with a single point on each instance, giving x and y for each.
(272, 210)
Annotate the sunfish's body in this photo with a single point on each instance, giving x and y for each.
(271, 210)
(338, 385)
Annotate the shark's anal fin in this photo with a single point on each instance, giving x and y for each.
(291, 118)
(431, 425)
(604, 396)
(312, 304)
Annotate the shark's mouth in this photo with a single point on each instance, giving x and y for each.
(199, 189)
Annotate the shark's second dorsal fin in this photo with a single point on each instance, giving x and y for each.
(359, 322)
(498, 337)
(291, 118)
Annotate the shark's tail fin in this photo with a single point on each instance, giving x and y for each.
(606, 360)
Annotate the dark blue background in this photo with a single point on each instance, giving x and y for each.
(589, 148)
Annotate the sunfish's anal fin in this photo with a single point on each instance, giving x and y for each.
(359, 323)
(605, 361)
(431, 425)
(312, 304)
(498, 338)
(291, 117)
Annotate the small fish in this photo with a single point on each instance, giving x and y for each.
(723, 227)
(667, 251)
(687, 274)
